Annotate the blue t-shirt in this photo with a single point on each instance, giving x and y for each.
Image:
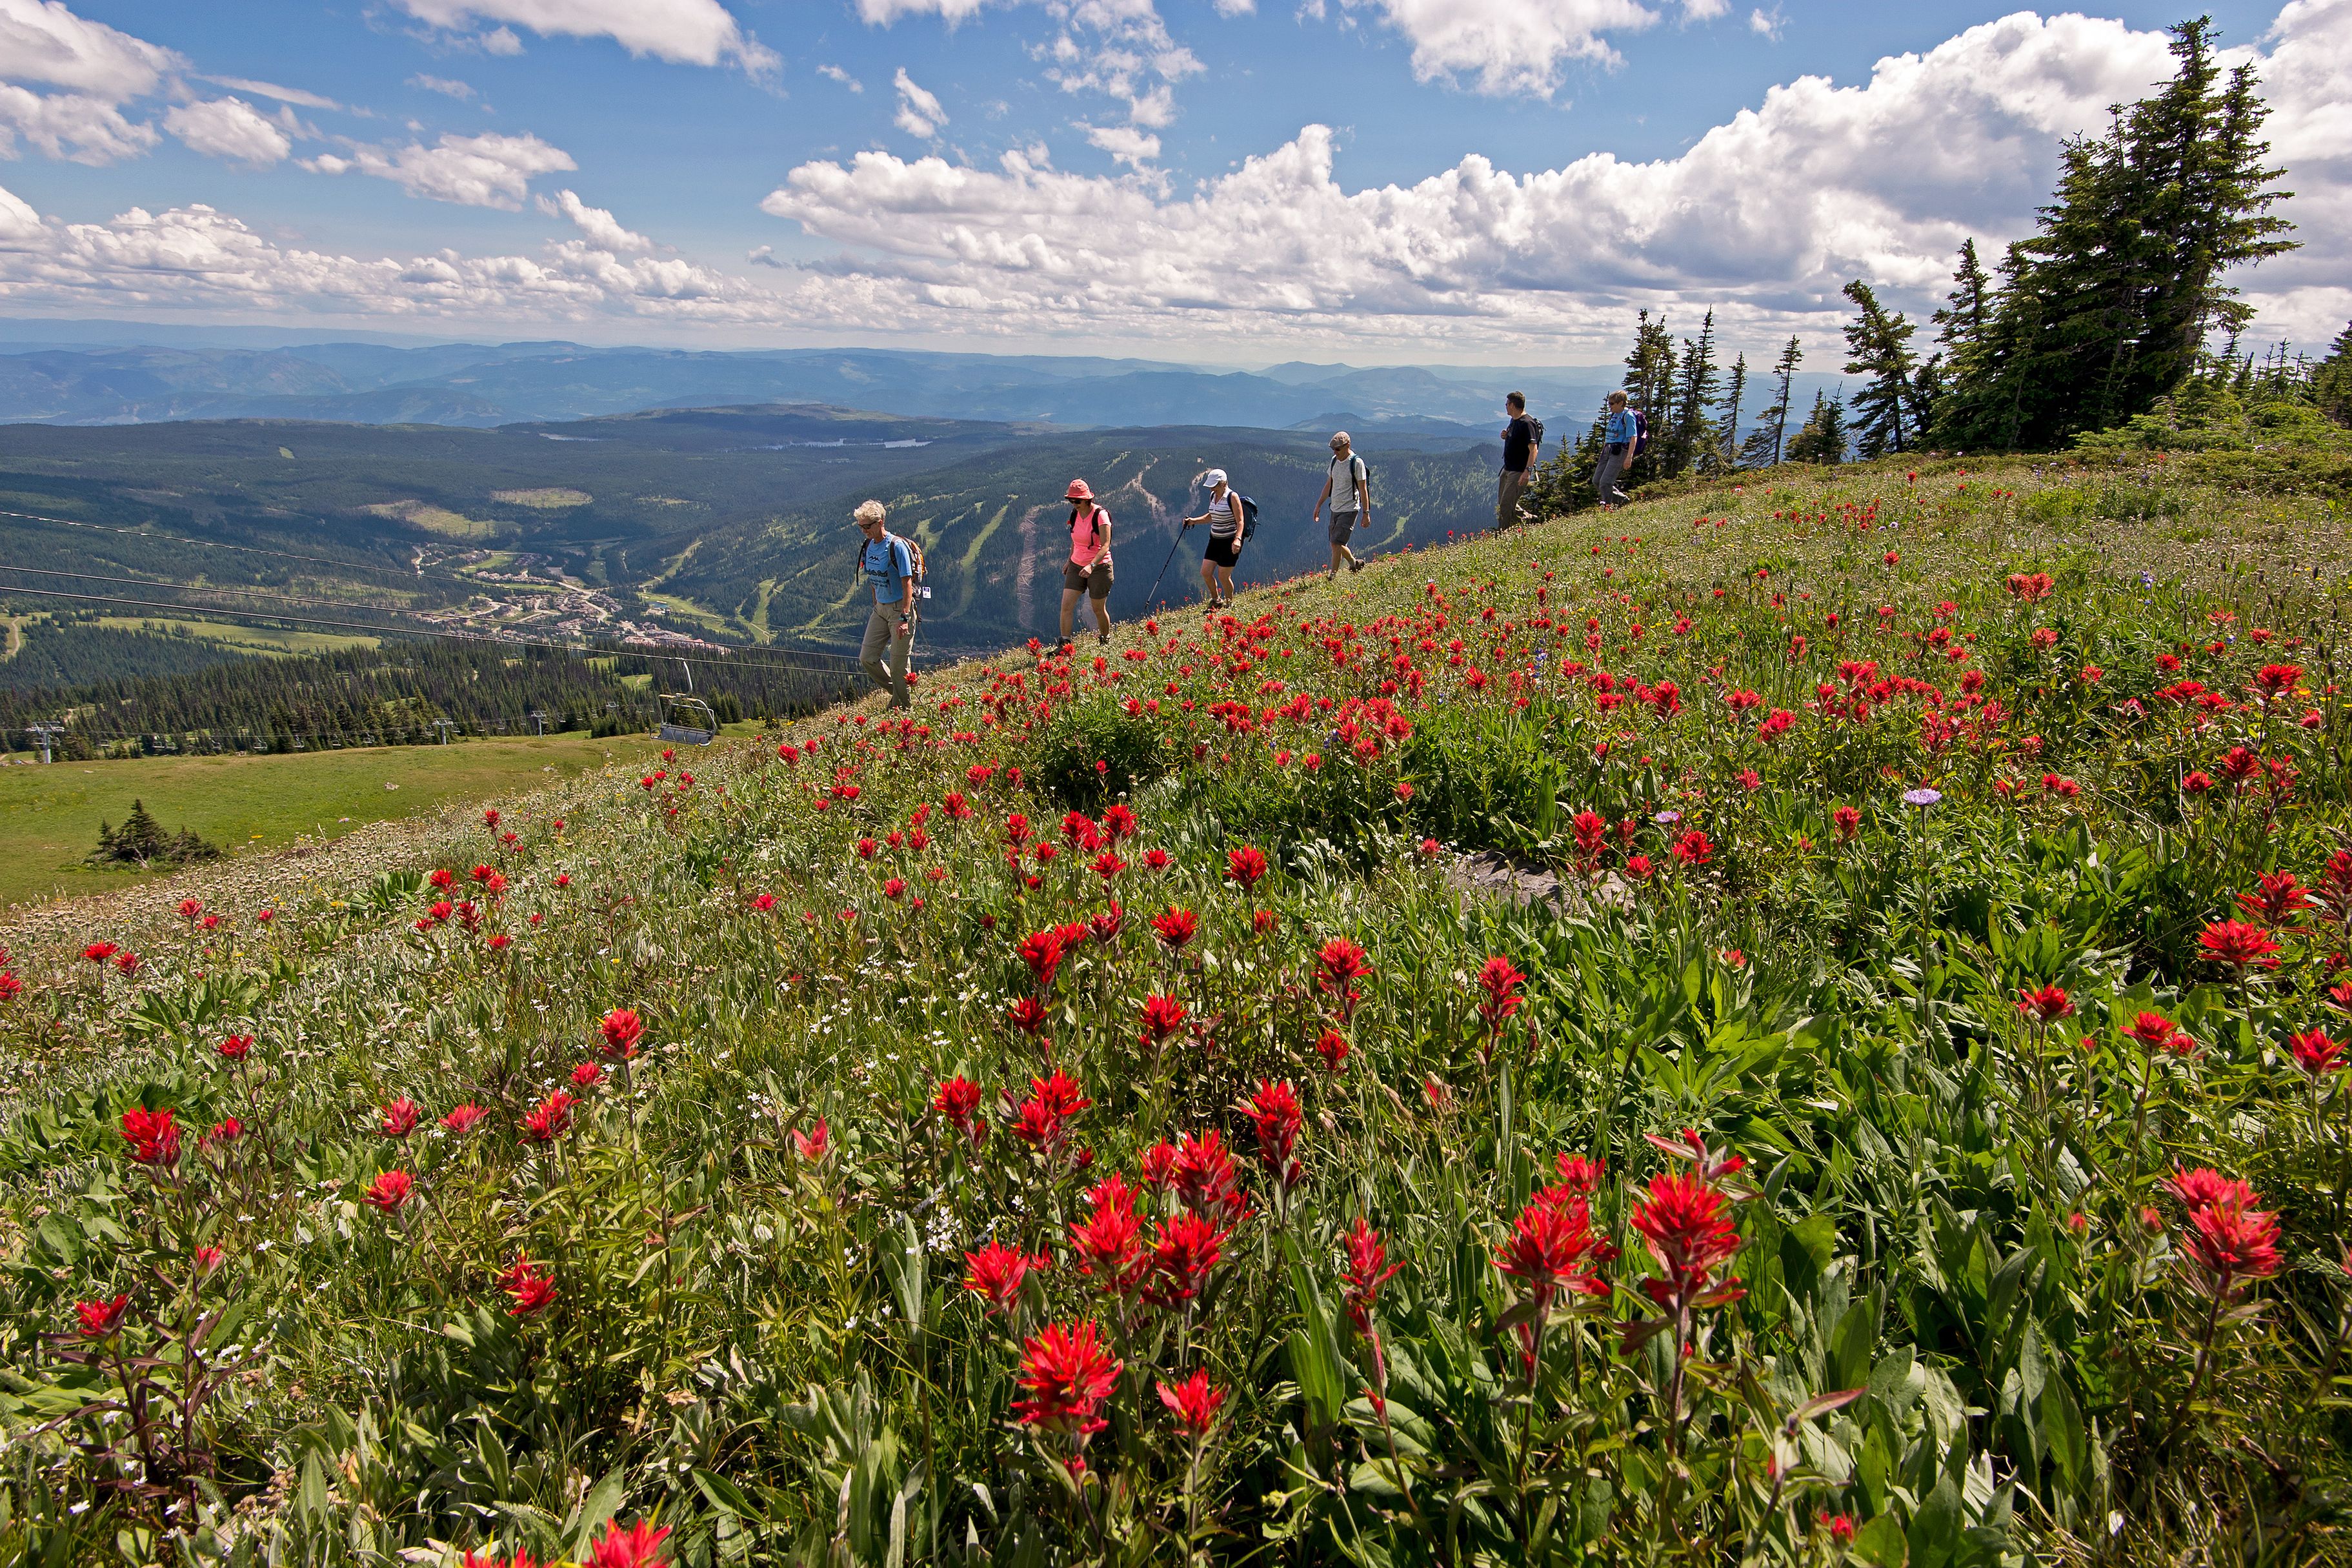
(1620, 431)
(887, 563)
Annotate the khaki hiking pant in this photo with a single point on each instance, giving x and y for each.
(1506, 498)
(882, 632)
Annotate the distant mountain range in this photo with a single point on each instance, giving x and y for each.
(482, 387)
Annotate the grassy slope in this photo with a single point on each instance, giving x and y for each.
(1924, 1156)
(50, 816)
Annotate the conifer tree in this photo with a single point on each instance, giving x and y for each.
(1824, 440)
(1692, 431)
(1649, 386)
(2107, 306)
(2331, 382)
(1878, 345)
(1770, 440)
(1723, 452)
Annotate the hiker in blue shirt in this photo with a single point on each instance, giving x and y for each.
(1620, 438)
(888, 563)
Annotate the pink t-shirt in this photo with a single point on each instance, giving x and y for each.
(1090, 537)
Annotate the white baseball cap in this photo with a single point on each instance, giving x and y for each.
(1214, 478)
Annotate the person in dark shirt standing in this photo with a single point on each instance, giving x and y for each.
(1522, 445)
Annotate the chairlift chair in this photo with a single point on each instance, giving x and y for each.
(675, 713)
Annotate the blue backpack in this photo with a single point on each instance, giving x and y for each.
(1641, 433)
(1249, 519)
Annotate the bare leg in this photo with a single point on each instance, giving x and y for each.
(1102, 616)
(1208, 581)
(1225, 582)
(1070, 598)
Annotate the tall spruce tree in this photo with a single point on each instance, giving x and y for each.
(2331, 381)
(1723, 452)
(1649, 387)
(1824, 440)
(1692, 431)
(2108, 305)
(1878, 345)
(1770, 440)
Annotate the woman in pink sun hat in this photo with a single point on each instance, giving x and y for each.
(1087, 571)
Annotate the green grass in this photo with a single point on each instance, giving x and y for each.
(277, 640)
(1894, 844)
(50, 816)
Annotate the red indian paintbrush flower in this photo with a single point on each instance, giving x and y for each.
(2046, 1006)
(2230, 1241)
(2236, 942)
(2277, 896)
(1332, 1046)
(996, 1272)
(100, 1317)
(462, 1120)
(1195, 1401)
(1693, 848)
(1175, 927)
(1118, 822)
(1162, 1017)
(1184, 1249)
(2202, 1188)
(1041, 952)
(587, 1075)
(1683, 1221)
(1552, 1248)
(621, 1030)
(639, 1546)
(1848, 822)
(1104, 926)
(1578, 1174)
(529, 1288)
(1368, 1269)
(1028, 1015)
(390, 1190)
(812, 1145)
(1108, 1241)
(2315, 1053)
(1498, 983)
(152, 1137)
(959, 1100)
(236, 1047)
(551, 1119)
(1200, 1171)
(1069, 1375)
(1274, 1111)
(1246, 865)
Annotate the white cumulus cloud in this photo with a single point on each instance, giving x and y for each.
(1515, 45)
(42, 41)
(1765, 217)
(228, 128)
(920, 113)
(843, 76)
(1125, 144)
(689, 32)
(448, 87)
(601, 228)
(487, 171)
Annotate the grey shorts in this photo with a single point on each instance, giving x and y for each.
(1094, 580)
(1343, 523)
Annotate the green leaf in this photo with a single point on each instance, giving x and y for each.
(1936, 1525)
(2063, 1433)
(1881, 1542)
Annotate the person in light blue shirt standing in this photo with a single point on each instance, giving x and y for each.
(1619, 435)
(887, 563)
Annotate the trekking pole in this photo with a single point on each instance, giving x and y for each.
(1163, 565)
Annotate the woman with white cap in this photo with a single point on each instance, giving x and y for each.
(1223, 517)
(1087, 571)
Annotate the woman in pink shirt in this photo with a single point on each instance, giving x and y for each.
(1088, 571)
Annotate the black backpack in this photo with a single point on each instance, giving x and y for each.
(1249, 519)
(1641, 431)
(1537, 426)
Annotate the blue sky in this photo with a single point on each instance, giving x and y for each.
(1434, 179)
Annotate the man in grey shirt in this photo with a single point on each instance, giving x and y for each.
(1349, 491)
(887, 565)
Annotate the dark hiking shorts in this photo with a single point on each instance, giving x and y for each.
(1094, 580)
(1224, 552)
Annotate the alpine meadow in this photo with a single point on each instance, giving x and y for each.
(1800, 1016)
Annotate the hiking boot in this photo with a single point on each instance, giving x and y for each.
(1355, 566)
